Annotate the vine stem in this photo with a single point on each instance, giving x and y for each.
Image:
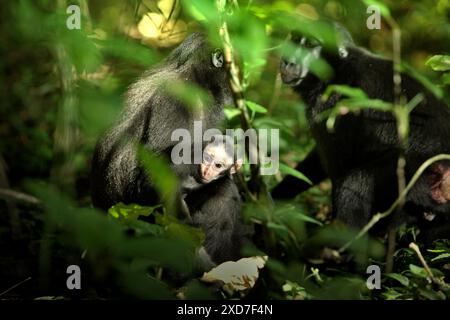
(435, 280)
(402, 131)
(239, 100)
(399, 200)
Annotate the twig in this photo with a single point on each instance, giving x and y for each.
(9, 194)
(14, 216)
(401, 198)
(402, 130)
(435, 280)
(276, 94)
(239, 100)
(236, 86)
(391, 250)
(15, 286)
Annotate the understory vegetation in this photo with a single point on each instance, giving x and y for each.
(61, 88)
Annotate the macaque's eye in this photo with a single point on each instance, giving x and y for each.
(207, 158)
(219, 165)
(217, 58)
(311, 43)
(295, 38)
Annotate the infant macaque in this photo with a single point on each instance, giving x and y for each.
(219, 160)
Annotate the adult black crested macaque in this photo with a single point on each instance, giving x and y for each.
(150, 116)
(360, 155)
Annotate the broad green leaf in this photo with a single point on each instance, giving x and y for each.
(131, 211)
(344, 90)
(278, 228)
(384, 10)
(423, 80)
(436, 250)
(160, 174)
(306, 218)
(392, 294)
(143, 286)
(187, 234)
(418, 271)
(400, 278)
(439, 63)
(164, 251)
(430, 294)
(291, 171)
(144, 229)
(193, 96)
(230, 113)
(255, 107)
(202, 10)
(293, 212)
(441, 256)
(446, 78)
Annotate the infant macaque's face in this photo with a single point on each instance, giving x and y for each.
(216, 162)
(445, 187)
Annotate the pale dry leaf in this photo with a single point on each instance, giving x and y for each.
(238, 275)
(150, 25)
(156, 30)
(169, 8)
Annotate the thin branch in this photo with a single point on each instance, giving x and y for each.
(435, 280)
(236, 85)
(239, 99)
(9, 194)
(391, 250)
(399, 200)
(402, 129)
(276, 94)
(15, 286)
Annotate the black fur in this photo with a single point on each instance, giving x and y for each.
(150, 116)
(361, 155)
(225, 234)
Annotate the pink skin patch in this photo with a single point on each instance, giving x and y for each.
(440, 184)
(208, 172)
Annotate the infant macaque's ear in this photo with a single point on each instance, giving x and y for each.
(236, 166)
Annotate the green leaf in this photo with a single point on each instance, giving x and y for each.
(400, 278)
(278, 228)
(255, 107)
(423, 80)
(439, 63)
(446, 79)
(436, 250)
(392, 294)
(230, 113)
(144, 229)
(293, 212)
(291, 171)
(202, 10)
(130, 212)
(441, 256)
(187, 234)
(160, 173)
(418, 271)
(345, 91)
(430, 294)
(143, 286)
(193, 96)
(384, 10)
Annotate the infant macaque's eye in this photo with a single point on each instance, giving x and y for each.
(218, 165)
(207, 158)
